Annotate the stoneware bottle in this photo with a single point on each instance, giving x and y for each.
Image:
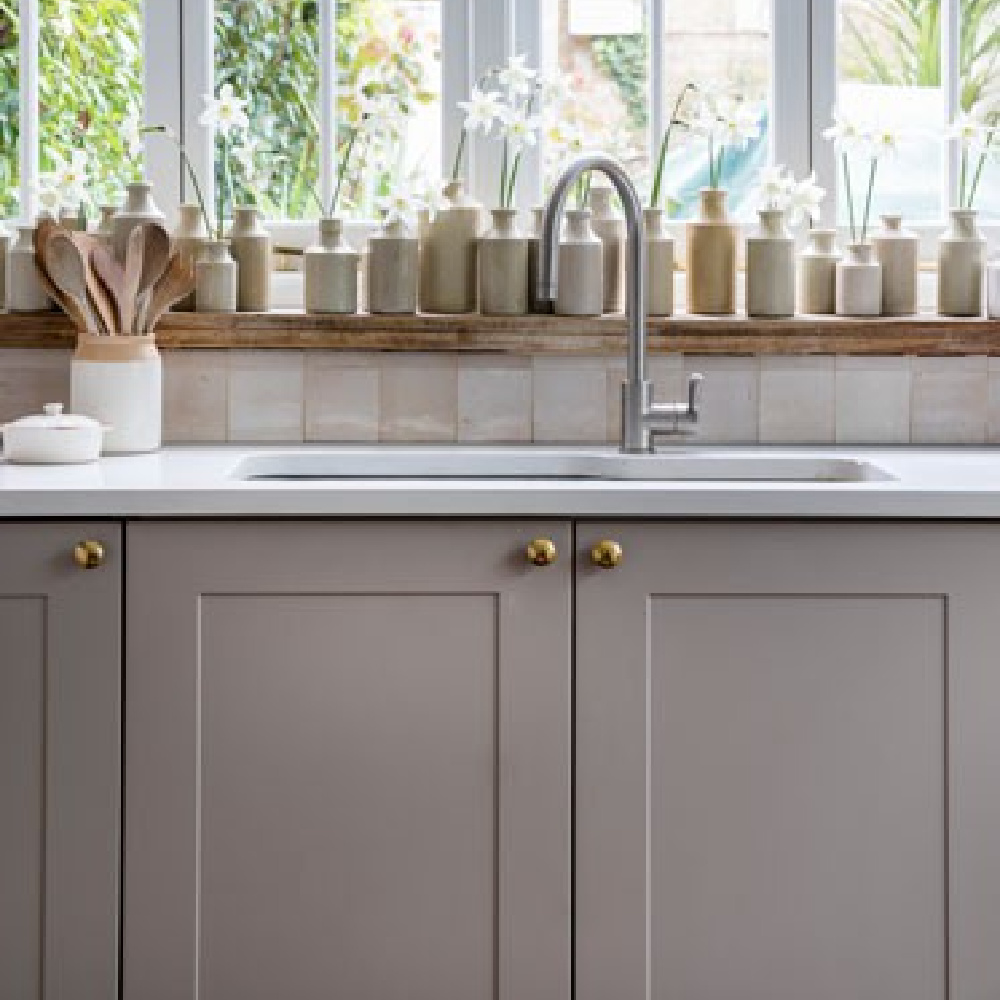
(118, 381)
(961, 260)
(898, 252)
(25, 292)
(581, 267)
(659, 264)
(69, 218)
(993, 290)
(189, 237)
(771, 267)
(6, 240)
(609, 225)
(393, 268)
(250, 246)
(859, 282)
(139, 208)
(331, 271)
(503, 267)
(216, 280)
(105, 224)
(448, 254)
(534, 241)
(818, 273)
(711, 257)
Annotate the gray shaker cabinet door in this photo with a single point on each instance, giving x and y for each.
(348, 762)
(788, 763)
(59, 763)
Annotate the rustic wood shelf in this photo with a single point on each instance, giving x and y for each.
(529, 335)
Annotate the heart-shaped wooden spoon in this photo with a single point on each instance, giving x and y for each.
(177, 282)
(100, 299)
(112, 276)
(67, 271)
(155, 256)
(130, 281)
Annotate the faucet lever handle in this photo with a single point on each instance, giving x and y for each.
(695, 380)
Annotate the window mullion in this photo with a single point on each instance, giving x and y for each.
(951, 56)
(162, 100)
(656, 15)
(528, 42)
(492, 43)
(29, 131)
(822, 83)
(198, 61)
(791, 120)
(456, 81)
(327, 97)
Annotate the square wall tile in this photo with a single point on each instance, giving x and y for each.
(730, 398)
(797, 397)
(494, 398)
(949, 403)
(195, 395)
(418, 397)
(30, 378)
(265, 396)
(341, 396)
(873, 400)
(570, 400)
(993, 401)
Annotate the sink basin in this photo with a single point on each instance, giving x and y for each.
(531, 463)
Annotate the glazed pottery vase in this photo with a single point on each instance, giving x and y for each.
(659, 264)
(118, 381)
(25, 292)
(250, 246)
(581, 267)
(711, 257)
(818, 273)
(216, 282)
(139, 208)
(859, 282)
(448, 254)
(961, 261)
(898, 253)
(331, 271)
(393, 269)
(993, 290)
(503, 267)
(6, 240)
(609, 225)
(771, 268)
(189, 237)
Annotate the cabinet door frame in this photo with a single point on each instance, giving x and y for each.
(958, 563)
(81, 762)
(173, 564)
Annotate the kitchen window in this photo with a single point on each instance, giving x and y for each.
(74, 71)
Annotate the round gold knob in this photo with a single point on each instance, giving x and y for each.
(88, 554)
(542, 552)
(606, 554)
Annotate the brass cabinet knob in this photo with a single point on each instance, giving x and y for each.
(542, 552)
(88, 554)
(606, 554)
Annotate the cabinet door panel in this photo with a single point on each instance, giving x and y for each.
(59, 764)
(786, 775)
(348, 755)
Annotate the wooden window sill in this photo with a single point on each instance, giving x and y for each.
(531, 335)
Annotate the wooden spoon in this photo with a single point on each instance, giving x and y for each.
(100, 299)
(43, 231)
(155, 256)
(113, 278)
(67, 271)
(176, 283)
(130, 282)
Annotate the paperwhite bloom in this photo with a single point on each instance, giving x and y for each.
(519, 129)
(70, 178)
(482, 109)
(132, 135)
(382, 115)
(554, 89)
(516, 78)
(400, 206)
(739, 123)
(562, 136)
(844, 132)
(881, 142)
(966, 129)
(805, 200)
(226, 113)
(774, 188)
(49, 196)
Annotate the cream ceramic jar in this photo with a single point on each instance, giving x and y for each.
(52, 438)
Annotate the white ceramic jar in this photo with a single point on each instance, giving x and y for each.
(961, 260)
(393, 270)
(448, 246)
(25, 291)
(330, 279)
(898, 252)
(503, 267)
(250, 247)
(609, 225)
(580, 289)
(859, 282)
(659, 264)
(139, 208)
(770, 277)
(993, 290)
(817, 291)
(53, 438)
(188, 237)
(216, 277)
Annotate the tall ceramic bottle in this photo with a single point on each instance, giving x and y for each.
(331, 271)
(25, 292)
(898, 252)
(771, 268)
(139, 208)
(216, 278)
(961, 261)
(393, 270)
(448, 254)
(189, 237)
(503, 267)
(859, 282)
(818, 274)
(659, 264)
(711, 257)
(993, 289)
(609, 226)
(250, 246)
(581, 267)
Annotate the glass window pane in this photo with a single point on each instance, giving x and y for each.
(89, 84)
(9, 109)
(980, 94)
(889, 76)
(721, 46)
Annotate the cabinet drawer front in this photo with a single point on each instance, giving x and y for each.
(348, 761)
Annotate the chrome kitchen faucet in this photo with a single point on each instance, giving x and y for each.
(642, 418)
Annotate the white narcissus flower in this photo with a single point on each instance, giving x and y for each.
(881, 142)
(844, 132)
(966, 129)
(774, 188)
(226, 113)
(49, 196)
(739, 124)
(132, 135)
(70, 178)
(805, 200)
(400, 206)
(518, 128)
(482, 109)
(382, 114)
(554, 89)
(516, 78)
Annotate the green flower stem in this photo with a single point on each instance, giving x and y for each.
(711, 161)
(503, 175)
(512, 180)
(850, 197)
(979, 168)
(226, 184)
(457, 165)
(718, 168)
(868, 197)
(661, 159)
(185, 159)
(963, 176)
(342, 172)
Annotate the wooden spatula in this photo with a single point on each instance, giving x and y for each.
(43, 231)
(100, 299)
(155, 256)
(134, 248)
(112, 276)
(67, 271)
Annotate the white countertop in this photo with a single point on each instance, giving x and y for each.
(198, 482)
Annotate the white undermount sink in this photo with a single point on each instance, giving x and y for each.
(540, 463)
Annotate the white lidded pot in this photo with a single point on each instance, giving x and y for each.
(53, 438)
